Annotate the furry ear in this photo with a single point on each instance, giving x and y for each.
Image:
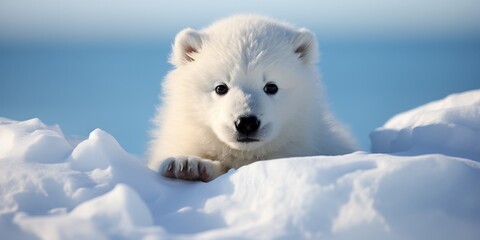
(306, 46)
(187, 43)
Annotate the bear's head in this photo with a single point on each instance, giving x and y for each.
(247, 79)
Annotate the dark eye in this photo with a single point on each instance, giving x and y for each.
(270, 88)
(221, 89)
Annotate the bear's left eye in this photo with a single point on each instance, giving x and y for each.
(221, 89)
(270, 88)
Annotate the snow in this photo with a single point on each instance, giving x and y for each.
(56, 187)
(450, 126)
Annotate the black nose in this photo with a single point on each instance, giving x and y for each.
(247, 125)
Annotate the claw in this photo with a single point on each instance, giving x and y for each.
(181, 168)
(170, 167)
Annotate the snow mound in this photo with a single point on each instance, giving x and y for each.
(449, 126)
(55, 188)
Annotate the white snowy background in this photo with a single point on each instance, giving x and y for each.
(422, 184)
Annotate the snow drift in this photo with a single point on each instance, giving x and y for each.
(56, 187)
(450, 126)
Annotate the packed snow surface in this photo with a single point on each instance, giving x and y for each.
(57, 187)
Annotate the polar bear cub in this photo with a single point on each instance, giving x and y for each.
(244, 89)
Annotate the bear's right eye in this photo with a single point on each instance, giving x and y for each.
(221, 89)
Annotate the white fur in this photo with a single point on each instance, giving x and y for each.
(195, 127)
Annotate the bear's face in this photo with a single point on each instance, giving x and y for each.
(246, 91)
(245, 110)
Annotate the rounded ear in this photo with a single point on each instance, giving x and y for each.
(306, 46)
(187, 43)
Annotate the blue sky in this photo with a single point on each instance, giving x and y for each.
(96, 19)
(101, 62)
